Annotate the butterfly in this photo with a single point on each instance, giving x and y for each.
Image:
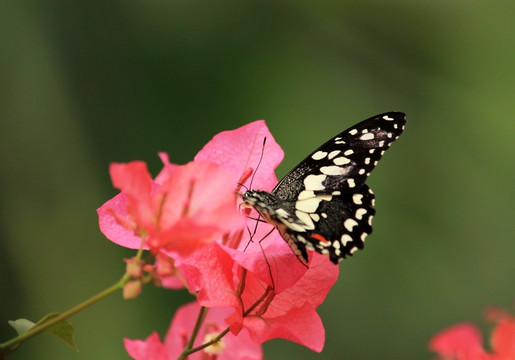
(323, 204)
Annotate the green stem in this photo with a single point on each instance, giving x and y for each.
(200, 319)
(203, 311)
(12, 344)
(186, 352)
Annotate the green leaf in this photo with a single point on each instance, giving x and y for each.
(63, 329)
(21, 325)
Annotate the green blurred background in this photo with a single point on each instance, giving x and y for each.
(86, 83)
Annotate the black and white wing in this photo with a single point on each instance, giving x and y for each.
(323, 204)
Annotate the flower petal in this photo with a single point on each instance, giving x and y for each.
(235, 347)
(301, 325)
(503, 339)
(110, 217)
(149, 349)
(240, 149)
(461, 341)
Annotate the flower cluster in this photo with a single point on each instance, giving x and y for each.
(247, 291)
(463, 341)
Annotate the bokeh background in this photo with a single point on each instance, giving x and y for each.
(86, 83)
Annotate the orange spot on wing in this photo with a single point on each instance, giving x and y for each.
(319, 238)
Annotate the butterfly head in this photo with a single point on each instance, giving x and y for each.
(258, 200)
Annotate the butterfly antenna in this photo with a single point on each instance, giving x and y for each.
(240, 185)
(259, 162)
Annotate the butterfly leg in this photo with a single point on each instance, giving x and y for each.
(266, 259)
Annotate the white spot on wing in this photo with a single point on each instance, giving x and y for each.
(346, 239)
(331, 170)
(349, 224)
(306, 219)
(319, 155)
(323, 244)
(367, 136)
(357, 199)
(386, 117)
(325, 197)
(348, 152)
(359, 213)
(314, 182)
(293, 226)
(282, 212)
(341, 160)
(351, 183)
(309, 205)
(306, 194)
(332, 154)
(353, 132)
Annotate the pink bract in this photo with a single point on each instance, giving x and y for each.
(240, 149)
(234, 347)
(189, 215)
(464, 342)
(192, 206)
(149, 349)
(291, 314)
(503, 339)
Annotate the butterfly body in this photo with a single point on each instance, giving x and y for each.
(323, 204)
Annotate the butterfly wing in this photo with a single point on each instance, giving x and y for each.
(327, 190)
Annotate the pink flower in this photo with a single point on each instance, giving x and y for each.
(290, 314)
(150, 349)
(257, 307)
(230, 347)
(460, 342)
(463, 342)
(286, 292)
(503, 339)
(193, 205)
(188, 216)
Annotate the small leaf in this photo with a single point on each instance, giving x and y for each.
(21, 325)
(63, 329)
